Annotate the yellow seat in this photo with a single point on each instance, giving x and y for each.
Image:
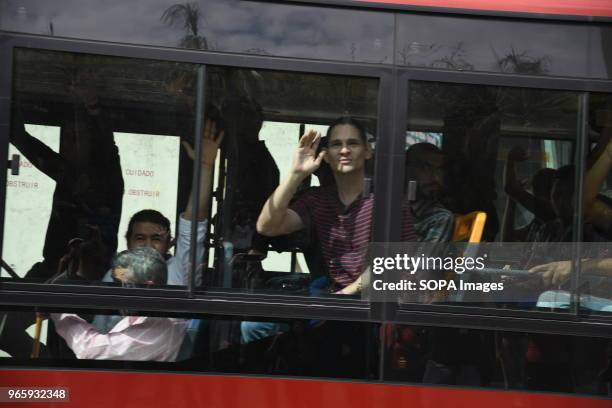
(469, 227)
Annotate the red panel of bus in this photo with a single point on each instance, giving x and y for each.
(596, 8)
(112, 389)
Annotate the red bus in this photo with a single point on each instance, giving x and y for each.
(103, 104)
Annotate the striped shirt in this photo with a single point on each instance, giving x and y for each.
(433, 222)
(343, 232)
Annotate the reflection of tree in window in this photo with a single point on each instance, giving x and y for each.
(522, 63)
(186, 15)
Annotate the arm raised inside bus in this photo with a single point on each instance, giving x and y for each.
(276, 218)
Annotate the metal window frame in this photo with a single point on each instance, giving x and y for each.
(213, 301)
(393, 85)
(573, 322)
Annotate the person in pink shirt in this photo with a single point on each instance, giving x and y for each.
(137, 338)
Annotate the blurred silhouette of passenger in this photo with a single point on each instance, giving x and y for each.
(87, 172)
(88, 194)
(252, 174)
(537, 203)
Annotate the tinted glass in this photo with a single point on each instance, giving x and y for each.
(498, 163)
(494, 45)
(595, 283)
(600, 54)
(331, 349)
(99, 139)
(263, 115)
(219, 25)
(503, 360)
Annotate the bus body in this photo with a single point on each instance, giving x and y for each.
(97, 101)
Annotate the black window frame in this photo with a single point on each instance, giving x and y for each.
(19, 294)
(388, 178)
(574, 322)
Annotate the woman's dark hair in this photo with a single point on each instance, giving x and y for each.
(347, 120)
(152, 216)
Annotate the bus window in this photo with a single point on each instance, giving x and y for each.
(100, 140)
(266, 116)
(179, 343)
(595, 283)
(508, 154)
(509, 360)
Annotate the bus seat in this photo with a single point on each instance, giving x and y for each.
(469, 227)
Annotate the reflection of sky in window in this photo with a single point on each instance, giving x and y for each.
(478, 44)
(326, 33)
(228, 25)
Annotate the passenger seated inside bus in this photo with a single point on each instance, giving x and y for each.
(558, 229)
(340, 215)
(136, 338)
(433, 221)
(150, 228)
(597, 212)
(596, 273)
(537, 203)
(318, 276)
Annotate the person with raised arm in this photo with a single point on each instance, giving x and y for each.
(341, 214)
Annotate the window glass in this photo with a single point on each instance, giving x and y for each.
(312, 242)
(595, 283)
(499, 360)
(328, 349)
(99, 140)
(250, 27)
(509, 46)
(600, 56)
(490, 177)
(194, 343)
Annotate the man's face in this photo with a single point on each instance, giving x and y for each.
(428, 171)
(150, 234)
(346, 152)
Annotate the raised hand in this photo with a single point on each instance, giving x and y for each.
(211, 140)
(305, 160)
